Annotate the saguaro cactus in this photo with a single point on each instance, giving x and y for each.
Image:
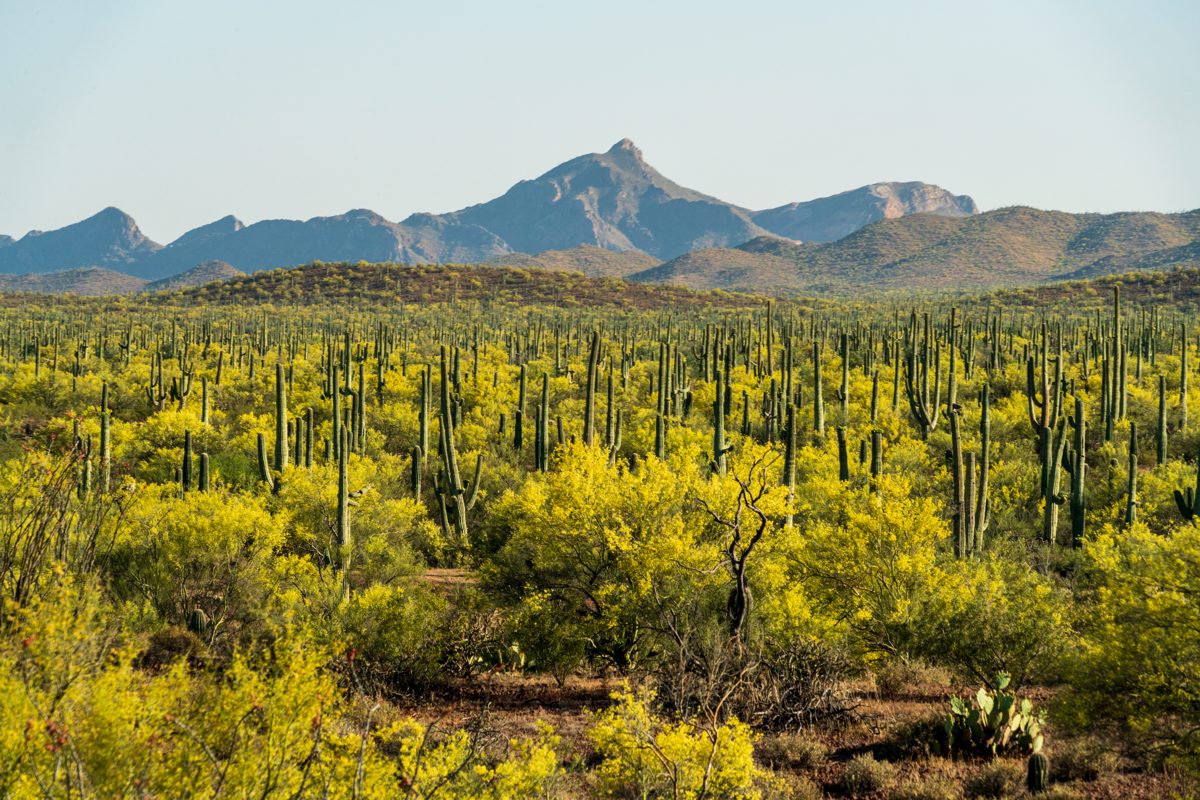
(1077, 466)
(843, 454)
(1188, 500)
(589, 406)
(423, 411)
(541, 445)
(454, 493)
(1160, 434)
(343, 542)
(818, 394)
(275, 481)
(983, 502)
(1183, 378)
(877, 462)
(105, 441)
(519, 416)
(186, 473)
(417, 472)
(1131, 489)
(1045, 410)
(925, 409)
(720, 446)
(789, 461)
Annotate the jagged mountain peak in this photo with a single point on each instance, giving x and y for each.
(222, 227)
(626, 145)
(626, 151)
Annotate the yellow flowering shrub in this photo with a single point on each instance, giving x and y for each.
(646, 756)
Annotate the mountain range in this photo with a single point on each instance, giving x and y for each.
(613, 201)
(611, 214)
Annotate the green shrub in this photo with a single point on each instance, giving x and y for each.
(201, 558)
(899, 675)
(391, 636)
(1082, 760)
(936, 787)
(998, 779)
(795, 751)
(864, 775)
(1137, 669)
(921, 737)
(994, 615)
(787, 786)
(643, 755)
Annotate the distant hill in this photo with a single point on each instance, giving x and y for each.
(365, 284)
(109, 239)
(87, 281)
(1175, 288)
(1002, 248)
(613, 201)
(831, 218)
(595, 262)
(199, 275)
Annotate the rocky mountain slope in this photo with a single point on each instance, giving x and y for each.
(595, 262)
(830, 218)
(109, 239)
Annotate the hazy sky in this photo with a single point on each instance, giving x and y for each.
(182, 112)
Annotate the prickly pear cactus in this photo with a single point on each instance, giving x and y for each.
(995, 724)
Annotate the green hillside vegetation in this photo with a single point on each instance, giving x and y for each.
(380, 284)
(1003, 248)
(86, 282)
(595, 262)
(1176, 289)
(199, 275)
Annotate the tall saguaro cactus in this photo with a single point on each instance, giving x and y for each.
(1183, 378)
(1045, 407)
(720, 446)
(274, 479)
(982, 501)
(454, 494)
(925, 409)
(105, 441)
(281, 431)
(519, 417)
(789, 462)
(589, 407)
(1160, 433)
(1077, 465)
(342, 542)
(1131, 502)
(818, 394)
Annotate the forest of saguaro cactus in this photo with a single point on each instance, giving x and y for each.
(739, 549)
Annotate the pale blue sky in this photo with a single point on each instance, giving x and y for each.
(182, 112)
